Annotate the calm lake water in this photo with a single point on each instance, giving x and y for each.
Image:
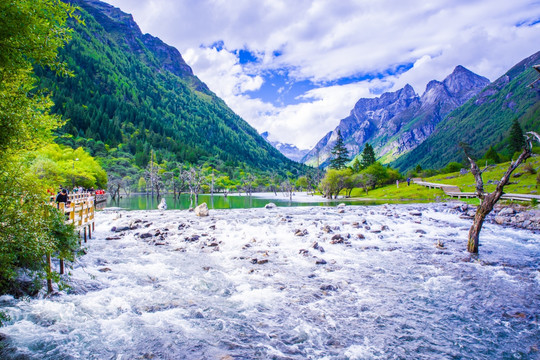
(143, 202)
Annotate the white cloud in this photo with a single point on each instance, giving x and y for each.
(324, 40)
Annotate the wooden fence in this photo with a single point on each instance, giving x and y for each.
(455, 192)
(80, 211)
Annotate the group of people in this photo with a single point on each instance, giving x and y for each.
(62, 195)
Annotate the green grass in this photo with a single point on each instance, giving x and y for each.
(524, 184)
(404, 192)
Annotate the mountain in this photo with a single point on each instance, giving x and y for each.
(133, 92)
(484, 120)
(290, 151)
(397, 122)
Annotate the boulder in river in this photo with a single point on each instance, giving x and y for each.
(202, 210)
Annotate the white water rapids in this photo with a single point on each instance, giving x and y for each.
(252, 284)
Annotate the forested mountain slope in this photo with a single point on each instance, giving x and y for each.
(484, 120)
(134, 92)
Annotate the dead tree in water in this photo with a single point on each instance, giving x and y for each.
(488, 200)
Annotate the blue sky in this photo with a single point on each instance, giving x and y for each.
(295, 68)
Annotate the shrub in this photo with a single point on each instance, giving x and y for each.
(529, 168)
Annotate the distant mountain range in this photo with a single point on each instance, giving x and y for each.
(134, 93)
(397, 122)
(484, 120)
(289, 150)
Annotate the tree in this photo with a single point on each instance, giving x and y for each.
(489, 200)
(368, 156)
(340, 154)
(516, 139)
(492, 155)
(333, 182)
(30, 34)
(302, 183)
(356, 165)
(378, 172)
(354, 181)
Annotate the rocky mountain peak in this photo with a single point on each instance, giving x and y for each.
(396, 122)
(464, 84)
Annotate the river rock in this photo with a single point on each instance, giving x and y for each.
(506, 212)
(327, 229)
(119, 228)
(201, 210)
(500, 220)
(299, 232)
(415, 213)
(270, 206)
(328, 288)
(146, 235)
(320, 261)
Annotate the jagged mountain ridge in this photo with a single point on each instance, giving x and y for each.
(396, 122)
(484, 120)
(133, 92)
(290, 151)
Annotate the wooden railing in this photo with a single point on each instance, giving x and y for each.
(455, 191)
(80, 211)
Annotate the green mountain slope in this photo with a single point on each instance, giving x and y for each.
(134, 92)
(483, 121)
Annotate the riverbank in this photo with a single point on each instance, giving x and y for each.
(391, 281)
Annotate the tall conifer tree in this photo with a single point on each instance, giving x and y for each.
(517, 141)
(340, 154)
(368, 156)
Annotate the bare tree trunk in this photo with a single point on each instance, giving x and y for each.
(489, 200)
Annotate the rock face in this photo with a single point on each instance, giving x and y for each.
(397, 122)
(482, 121)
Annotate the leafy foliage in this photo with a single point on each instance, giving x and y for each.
(30, 33)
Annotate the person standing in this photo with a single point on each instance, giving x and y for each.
(62, 197)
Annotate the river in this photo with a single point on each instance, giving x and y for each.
(354, 282)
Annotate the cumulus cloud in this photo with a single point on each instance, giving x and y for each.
(323, 41)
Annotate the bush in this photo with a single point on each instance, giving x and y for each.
(529, 168)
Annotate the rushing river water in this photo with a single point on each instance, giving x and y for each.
(289, 283)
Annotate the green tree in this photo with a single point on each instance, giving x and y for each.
(30, 34)
(340, 154)
(333, 182)
(379, 173)
(356, 166)
(516, 139)
(491, 154)
(368, 156)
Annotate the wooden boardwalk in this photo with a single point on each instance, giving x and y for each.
(455, 192)
(80, 211)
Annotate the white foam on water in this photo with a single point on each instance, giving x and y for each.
(259, 283)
